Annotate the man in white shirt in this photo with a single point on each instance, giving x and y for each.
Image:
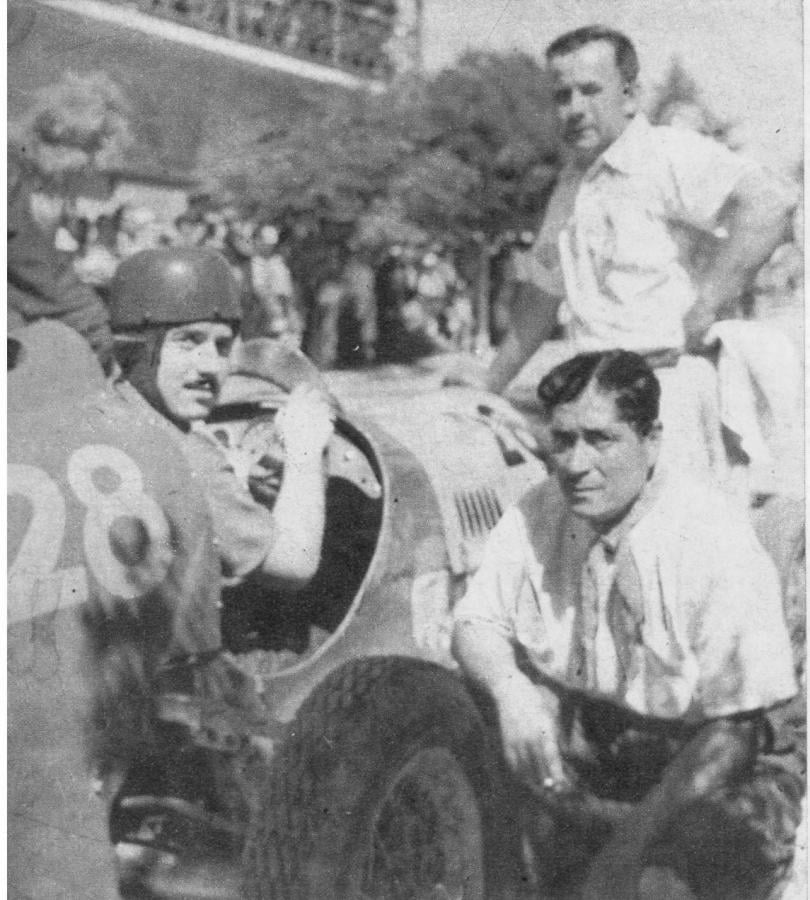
(610, 262)
(629, 629)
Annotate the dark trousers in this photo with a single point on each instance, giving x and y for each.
(736, 843)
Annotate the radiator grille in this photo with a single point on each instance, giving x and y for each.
(478, 511)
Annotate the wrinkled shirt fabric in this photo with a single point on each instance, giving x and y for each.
(687, 599)
(615, 237)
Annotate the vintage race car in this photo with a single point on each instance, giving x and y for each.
(347, 758)
(359, 764)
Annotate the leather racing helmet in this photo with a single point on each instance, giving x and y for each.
(173, 286)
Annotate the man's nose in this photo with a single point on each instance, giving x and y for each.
(577, 105)
(209, 359)
(578, 459)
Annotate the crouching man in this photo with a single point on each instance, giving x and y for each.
(629, 629)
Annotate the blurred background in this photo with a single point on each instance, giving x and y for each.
(368, 167)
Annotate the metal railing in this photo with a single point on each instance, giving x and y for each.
(353, 35)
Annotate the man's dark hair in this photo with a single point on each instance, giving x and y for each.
(625, 52)
(621, 373)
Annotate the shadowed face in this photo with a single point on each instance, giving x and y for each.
(193, 365)
(593, 102)
(601, 462)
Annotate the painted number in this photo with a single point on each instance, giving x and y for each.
(41, 544)
(125, 500)
(109, 484)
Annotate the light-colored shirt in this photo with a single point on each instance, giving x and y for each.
(613, 237)
(685, 622)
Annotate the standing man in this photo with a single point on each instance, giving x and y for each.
(628, 664)
(608, 262)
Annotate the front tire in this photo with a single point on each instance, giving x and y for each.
(385, 788)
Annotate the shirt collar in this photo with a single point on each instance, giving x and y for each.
(646, 500)
(629, 153)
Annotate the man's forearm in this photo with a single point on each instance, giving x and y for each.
(300, 514)
(533, 318)
(486, 657)
(757, 220)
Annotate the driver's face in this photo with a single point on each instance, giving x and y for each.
(193, 365)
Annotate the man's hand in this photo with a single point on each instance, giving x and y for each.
(529, 733)
(696, 323)
(305, 424)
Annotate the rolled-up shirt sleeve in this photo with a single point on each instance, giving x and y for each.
(493, 591)
(703, 176)
(739, 635)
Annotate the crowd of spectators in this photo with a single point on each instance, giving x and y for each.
(346, 305)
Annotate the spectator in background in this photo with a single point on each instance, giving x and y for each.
(358, 323)
(406, 329)
(329, 294)
(136, 231)
(190, 230)
(274, 312)
(432, 286)
(459, 319)
(238, 252)
(393, 291)
(214, 233)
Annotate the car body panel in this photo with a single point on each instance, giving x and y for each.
(58, 408)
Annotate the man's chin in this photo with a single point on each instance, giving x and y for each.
(585, 504)
(196, 410)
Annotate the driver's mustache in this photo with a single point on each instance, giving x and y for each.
(205, 381)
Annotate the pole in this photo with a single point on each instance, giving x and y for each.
(482, 341)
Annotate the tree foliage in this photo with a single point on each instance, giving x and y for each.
(678, 99)
(490, 132)
(81, 122)
(470, 151)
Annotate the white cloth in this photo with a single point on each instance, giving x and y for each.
(695, 604)
(760, 400)
(615, 237)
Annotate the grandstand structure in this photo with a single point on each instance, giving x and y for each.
(369, 40)
(192, 68)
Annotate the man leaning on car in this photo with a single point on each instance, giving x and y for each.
(629, 629)
(613, 263)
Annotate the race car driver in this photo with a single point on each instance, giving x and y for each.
(174, 313)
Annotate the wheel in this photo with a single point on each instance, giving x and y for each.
(384, 789)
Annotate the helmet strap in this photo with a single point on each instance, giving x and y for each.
(138, 354)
